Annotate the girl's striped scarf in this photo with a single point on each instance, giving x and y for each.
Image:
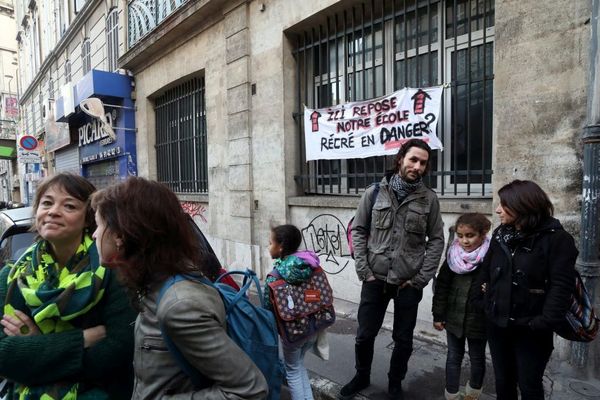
(54, 296)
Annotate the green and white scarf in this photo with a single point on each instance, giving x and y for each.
(54, 296)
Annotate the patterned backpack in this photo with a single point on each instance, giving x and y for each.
(304, 309)
(581, 323)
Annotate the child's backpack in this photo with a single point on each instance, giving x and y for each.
(349, 227)
(304, 309)
(252, 328)
(581, 324)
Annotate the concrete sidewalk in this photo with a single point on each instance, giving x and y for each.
(425, 378)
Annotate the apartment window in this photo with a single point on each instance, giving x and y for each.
(42, 108)
(51, 89)
(377, 47)
(112, 39)
(181, 137)
(86, 56)
(67, 70)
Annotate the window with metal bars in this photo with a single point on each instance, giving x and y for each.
(380, 46)
(112, 39)
(86, 56)
(181, 137)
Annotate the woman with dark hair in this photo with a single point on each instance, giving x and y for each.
(67, 322)
(145, 235)
(528, 276)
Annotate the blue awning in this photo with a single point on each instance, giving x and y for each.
(95, 83)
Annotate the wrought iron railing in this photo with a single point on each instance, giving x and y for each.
(145, 15)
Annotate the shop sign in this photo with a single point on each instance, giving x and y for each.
(92, 131)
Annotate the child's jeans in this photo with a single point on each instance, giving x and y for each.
(456, 352)
(296, 374)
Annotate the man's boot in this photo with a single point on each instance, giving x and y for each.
(395, 390)
(363, 353)
(351, 389)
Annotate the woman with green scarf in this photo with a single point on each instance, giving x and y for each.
(66, 321)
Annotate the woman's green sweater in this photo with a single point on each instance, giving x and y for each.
(105, 368)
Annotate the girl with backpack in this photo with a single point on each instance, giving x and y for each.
(452, 310)
(294, 267)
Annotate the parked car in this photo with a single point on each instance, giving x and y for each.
(15, 235)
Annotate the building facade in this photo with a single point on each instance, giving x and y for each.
(69, 51)
(219, 88)
(9, 111)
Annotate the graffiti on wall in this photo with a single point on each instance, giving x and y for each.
(326, 236)
(194, 209)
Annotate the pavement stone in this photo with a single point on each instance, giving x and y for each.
(426, 370)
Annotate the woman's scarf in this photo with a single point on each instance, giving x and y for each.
(461, 261)
(402, 188)
(509, 236)
(54, 296)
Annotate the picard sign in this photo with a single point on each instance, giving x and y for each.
(374, 127)
(92, 132)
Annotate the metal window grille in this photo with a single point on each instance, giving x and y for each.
(86, 56)
(112, 39)
(181, 137)
(379, 46)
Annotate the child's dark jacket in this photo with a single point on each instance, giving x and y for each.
(451, 303)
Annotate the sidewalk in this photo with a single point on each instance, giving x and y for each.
(425, 378)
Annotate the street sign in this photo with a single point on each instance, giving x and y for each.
(28, 142)
(29, 157)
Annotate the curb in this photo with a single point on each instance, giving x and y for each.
(324, 389)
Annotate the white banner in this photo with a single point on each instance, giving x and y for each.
(374, 127)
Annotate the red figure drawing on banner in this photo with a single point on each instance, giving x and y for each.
(194, 209)
(419, 98)
(314, 118)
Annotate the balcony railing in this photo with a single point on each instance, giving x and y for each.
(145, 15)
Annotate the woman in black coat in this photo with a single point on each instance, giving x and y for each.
(528, 276)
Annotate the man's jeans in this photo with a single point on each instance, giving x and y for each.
(374, 299)
(456, 352)
(519, 356)
(295, 371)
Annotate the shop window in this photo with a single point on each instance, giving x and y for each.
(181, 137)
(379, 46)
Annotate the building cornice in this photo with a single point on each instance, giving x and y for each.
(64, 41)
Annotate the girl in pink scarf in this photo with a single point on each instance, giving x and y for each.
(452, 310)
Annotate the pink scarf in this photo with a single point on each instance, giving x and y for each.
(462, 262)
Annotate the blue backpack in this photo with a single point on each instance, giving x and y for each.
(252, 328)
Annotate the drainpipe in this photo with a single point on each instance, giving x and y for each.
(588, 263)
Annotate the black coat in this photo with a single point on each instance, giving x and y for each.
(530, 284)
(451, 305)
